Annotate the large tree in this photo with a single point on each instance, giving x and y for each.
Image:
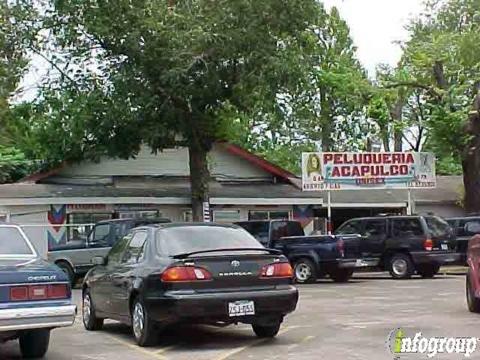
(163, 73)
(443, 56)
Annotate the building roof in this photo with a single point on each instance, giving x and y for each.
(168, 191)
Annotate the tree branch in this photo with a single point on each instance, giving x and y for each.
(417, 85)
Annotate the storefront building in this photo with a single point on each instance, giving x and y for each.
(60, 206)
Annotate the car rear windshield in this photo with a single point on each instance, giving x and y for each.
(187, 239)
(437, 226)
(13, 243)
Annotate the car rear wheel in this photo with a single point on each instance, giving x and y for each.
(341, 275)
(401, 266)
(34, 343)
(142, 325)
(472, 301)
(429, 271)
(266, 331)
(67, 269)
(89, 316)
(304, 271)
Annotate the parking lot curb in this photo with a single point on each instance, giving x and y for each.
(453, 270)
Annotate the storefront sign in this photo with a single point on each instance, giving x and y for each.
(354, 171)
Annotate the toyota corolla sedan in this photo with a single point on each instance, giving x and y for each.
(163, 274)
(35, 296)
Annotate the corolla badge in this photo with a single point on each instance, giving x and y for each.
(235, 263)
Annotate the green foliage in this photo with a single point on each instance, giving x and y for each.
(13, 164)
(444, 60)
(163, 71)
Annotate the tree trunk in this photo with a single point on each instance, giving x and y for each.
(396, 115)
(385, 138)
(199, 177)
(471, 160)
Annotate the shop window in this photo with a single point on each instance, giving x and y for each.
(187, 216)
(80, 224)
(268, 215)
(226, 216)
(140, 214)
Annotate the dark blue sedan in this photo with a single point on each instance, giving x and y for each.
(35, 296)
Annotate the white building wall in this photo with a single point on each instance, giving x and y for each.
(170, 162)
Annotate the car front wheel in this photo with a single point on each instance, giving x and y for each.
(266, 331)
(142, 325)
(89, 316)
(34, 343)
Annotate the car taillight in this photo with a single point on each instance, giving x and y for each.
(39, 292)
(277, 270)
(428, 245)
(19, 293)
(185, 274)
(58, 291)
(341, 247)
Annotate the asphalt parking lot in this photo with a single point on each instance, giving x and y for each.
(332, 321)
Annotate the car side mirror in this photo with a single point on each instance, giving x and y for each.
(99, 260)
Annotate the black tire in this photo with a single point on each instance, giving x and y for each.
(304, 271)
(266, 331)
(89, 317)
(401, 266)
(341, 275)
(67, 269)
(472, 301)
(428, 271)
(34, 343)
(146, 334)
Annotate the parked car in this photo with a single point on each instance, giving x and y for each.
(463, 228)
(195, 273)
(404, 245)
(473, 274)
(75, 258)
(311, 256)
(35, 296)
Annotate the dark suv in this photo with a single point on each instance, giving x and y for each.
(404, 245)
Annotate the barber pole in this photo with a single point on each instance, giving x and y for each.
(206, 212)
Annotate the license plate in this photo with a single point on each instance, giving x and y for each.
(444, 247)
(241, 308)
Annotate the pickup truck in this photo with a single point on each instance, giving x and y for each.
(75, 258)
(312, 257)
(404, 245)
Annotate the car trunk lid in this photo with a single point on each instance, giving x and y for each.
(231, 270)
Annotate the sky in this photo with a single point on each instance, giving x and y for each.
(375, 25)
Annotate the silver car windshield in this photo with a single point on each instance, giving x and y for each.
(13, 243)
